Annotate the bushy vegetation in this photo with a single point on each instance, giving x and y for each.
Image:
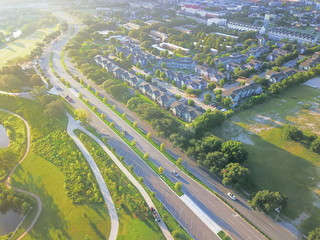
(15, 79)
(267, 201)
(11, 155)
(80, 183)
(10, 199)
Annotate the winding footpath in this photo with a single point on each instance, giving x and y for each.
(72, 125)
(140, 188)
(39, 203)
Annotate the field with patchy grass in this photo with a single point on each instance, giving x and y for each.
(23, 47)
(279, 164)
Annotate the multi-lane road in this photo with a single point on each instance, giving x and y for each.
(199, 211)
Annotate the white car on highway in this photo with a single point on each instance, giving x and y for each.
(233, 197)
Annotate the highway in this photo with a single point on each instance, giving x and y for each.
(198, 207)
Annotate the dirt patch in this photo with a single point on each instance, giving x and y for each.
(314, 82)
(303, 216)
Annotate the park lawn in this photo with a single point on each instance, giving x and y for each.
(276, 163)
(23, 47)
(44, 179)
(59, 215)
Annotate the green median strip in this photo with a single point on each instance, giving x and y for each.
(135, 149)
(224, 236)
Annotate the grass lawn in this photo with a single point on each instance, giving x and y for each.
(59, 215)
(24, 47)
(276, 163)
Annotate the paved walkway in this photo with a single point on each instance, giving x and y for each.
(39, 203)
(140, 188)
(20, 94)
(72, 124)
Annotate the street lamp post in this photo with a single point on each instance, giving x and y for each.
(278, 209)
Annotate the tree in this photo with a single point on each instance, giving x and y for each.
(235, 151)
(190, 102)
(54, 109)
(135, 124)
(163, 65)
(94, 108)
(149, 135)
(177, 187)
(162, 147)
(234, 173)
(161, 170)
(105, 100)
(221, 82)
(292, 132)
(227, 102)
(124, 116)
(149, 78)
(163, 75)
(82, 115)
(314, 235)
(112, 124)
(211, 86)
(97, 93)
(102, 115)
(179, 162)
(25, 207)
(146, 156)
(139, 64)
(208, 97)
(315, 145)
(157, 73)
(133, 142)
(267, 201)
(184, 87)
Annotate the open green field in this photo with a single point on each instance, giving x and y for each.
(22, 47)
(60, 217)
(276, 163)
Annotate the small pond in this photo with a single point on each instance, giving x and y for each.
(9, 220)
(4, 139)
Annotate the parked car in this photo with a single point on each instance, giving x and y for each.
(155, 214)
(175, 173)
(233, 197)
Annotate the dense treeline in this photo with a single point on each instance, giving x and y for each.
(80, 183)
(19, 202)
(15, 79)
(124, 194)
(11, 155)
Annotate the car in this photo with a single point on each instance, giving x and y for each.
(69, 100)
(233, 197)
(155, 214)
(175, 173)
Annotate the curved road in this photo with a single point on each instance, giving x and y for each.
(72, 124)
(143, 192)
(39, 203)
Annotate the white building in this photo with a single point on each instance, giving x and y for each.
(174, 47)
(279, 33)
(161, 35)
(217, 21)
(246, 27)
